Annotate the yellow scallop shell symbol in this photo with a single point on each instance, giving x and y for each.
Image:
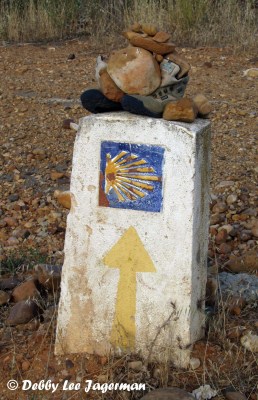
(129, 176)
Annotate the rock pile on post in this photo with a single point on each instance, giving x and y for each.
(148, 64)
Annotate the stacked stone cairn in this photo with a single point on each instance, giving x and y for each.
(140, 69)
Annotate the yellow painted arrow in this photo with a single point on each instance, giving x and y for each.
(130, 256)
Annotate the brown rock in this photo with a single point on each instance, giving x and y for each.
(63, 198)
(213, 231)
(234, 395)
(149, 44)
(231, 199)
(235, 332)
(26, 290)
(10, 221)
(9, 283)
(150, 29)
(179, 60)
(128, 34)
(219, 207)
(225, 248)
(182, 110)
(245, 263)
(23, 312)
(136, 27)
(25, 365)
(12, 241)
(235, 305)
(168, 394)
(49, 276)
(215, 219)
(134, 71)
(56, 175)
(203, 105)
(211, 291)
(30, 326)
(109, 88)
(255, 229)
(67, 123)
(159, 58)
(245, 235)
(161, 37)
(221, 236)
(4, 297)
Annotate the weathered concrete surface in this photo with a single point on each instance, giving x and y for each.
(134, 279)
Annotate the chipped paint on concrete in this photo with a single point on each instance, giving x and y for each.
(168, 318)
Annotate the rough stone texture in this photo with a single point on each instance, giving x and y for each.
(175, 237)
(134, 70)
(168, 394)
(109, 88)
(182, 110)
(26, 290)
(149, 44)
(181, 61)
(243, 285)
(23, 312)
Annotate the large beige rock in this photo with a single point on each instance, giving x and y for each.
(109, 88)
(134, 70)
(182, 110)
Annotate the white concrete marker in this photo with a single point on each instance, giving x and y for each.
(136, 242)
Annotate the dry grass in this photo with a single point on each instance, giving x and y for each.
(200, 22)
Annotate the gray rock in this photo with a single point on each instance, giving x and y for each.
(9, 283)
(243, 285)
(168, 394)
(13, 197)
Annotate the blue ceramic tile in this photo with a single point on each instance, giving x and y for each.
(131, 176)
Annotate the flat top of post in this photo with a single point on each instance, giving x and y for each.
(123, 116)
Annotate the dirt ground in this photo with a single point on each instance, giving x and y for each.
(40, 87)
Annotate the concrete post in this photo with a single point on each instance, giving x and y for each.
(136, 242)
